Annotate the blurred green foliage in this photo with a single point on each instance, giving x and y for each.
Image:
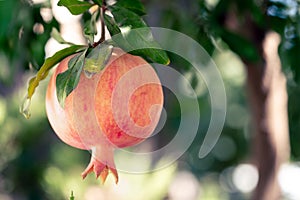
(35, 164)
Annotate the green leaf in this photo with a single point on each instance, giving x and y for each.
(48, 64)
(126, 18)
(67, 81)
(90, 28)
(148, 47)
(98, 2)
(137, 41)
(115, 30)
(96, 60)
(111, 25)
(74, 6)
(133, 5)
(43, 72)
(56, 35)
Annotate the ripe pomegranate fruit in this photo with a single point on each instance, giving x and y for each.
(116, 108)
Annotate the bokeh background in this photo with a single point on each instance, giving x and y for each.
(35, 164)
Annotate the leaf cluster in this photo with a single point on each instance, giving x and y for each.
(120, 19)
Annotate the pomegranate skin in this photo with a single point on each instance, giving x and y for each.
(116, 108)
(58, 116)
(128, 100)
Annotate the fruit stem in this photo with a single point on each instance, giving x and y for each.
(102, 12)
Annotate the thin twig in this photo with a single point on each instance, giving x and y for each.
(102, 11)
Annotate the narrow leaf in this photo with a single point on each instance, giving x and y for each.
(98, 2)
(115, 30)
(48, 64)
(42, 74)
(126, 18)
(97, 59)
(90, 29)
(74, 6)
(133, 5)
(56, 35)
(111, 25)
(67, 81)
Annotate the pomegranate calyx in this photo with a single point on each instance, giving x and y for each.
(101, 163)
(101, 170)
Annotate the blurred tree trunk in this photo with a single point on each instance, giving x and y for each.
(267, 96)
(268, 102)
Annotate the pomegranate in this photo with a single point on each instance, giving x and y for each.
(116, 108)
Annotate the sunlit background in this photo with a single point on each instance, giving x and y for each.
(35, 164)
